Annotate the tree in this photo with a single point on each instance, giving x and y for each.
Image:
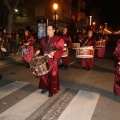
(11, 5)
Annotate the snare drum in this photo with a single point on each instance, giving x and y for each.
(100, 44)
(39, 65)
(75, 45)
(65, 51)
(85, 52)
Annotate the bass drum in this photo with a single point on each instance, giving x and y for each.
(85, 52)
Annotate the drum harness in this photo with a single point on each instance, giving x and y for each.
(85, 43)
(47, 44)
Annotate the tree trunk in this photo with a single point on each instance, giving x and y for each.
(10, 23)
(11, 8)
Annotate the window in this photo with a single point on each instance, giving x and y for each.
(24, 12)
(39, 11)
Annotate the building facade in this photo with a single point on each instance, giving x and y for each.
(30, 11)
(78, 14)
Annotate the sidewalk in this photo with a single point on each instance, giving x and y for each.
(15, 57)
(11, 58)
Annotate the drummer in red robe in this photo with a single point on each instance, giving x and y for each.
(27, 51)
(101, 51)
(53, 47)
(116, 56)
(81, 36)
(88, 63)
(67, 43)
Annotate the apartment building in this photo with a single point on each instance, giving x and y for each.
(30, 11)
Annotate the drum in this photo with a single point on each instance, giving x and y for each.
(85, 52)
(3, 49)
(75, 45)
(23, 50)
(65, 51)
(100, 44)
(39, 65)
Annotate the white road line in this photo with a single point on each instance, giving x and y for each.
(8, 89)
(25, 107)
(81, 107)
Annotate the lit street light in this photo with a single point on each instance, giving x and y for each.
(94, 23)
(16, 10)
(90, 20)
(106, 26)
(55, 6)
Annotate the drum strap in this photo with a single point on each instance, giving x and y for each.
(85, 43)
(47, 45)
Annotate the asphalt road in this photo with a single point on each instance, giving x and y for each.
(84, 95)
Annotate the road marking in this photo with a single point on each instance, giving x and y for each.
(25, 107)
(81, 107)
(8, 89)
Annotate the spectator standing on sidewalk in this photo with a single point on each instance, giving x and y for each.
(17, 43)
(6, 44)
(11, 42)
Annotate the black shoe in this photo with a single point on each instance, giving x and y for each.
(60, 66)
(83, 68)
(50, 94)
(43, 91)
(87, 69)
(64, 68)
(0, 77)
(27, 65)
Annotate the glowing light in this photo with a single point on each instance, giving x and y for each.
(16, 10)
(55, 6)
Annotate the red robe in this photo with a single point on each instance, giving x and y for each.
(89, 62)
(81, 37)
(68, 41)
(101, 51)
(116, 56)
(28, 57)
(50, 81)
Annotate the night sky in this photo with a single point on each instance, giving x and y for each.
(109, 11)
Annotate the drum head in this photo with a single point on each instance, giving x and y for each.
(85, 52)
(40, 60)
(3, 49)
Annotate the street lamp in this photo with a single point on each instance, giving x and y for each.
(55, 6)
(16, 10)
(94, 23)
(90, 20)
(106, 26)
